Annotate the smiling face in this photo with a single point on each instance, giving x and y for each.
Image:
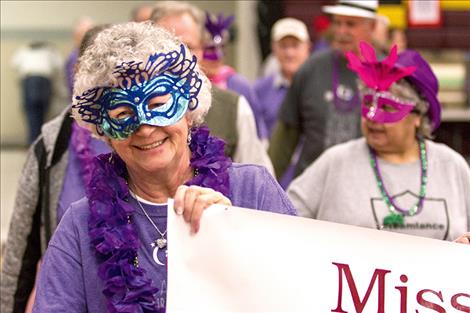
(153, 149)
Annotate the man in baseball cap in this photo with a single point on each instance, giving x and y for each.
(322, 104)
(289, 27)
(290, 44)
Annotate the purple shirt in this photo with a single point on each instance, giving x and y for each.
(242, 86)
(68, 279)
(73, 188)
(270, 95)
(270, 92)
(70, 70)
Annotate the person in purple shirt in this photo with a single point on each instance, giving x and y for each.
(291, 47)
(140, 90)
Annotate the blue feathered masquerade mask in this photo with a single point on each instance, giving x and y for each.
(158, 93)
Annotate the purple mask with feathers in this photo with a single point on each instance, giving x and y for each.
(218, 29)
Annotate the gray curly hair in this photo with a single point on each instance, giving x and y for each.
(124, 43)
(404, 90)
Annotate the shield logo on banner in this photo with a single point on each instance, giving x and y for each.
(431, 221)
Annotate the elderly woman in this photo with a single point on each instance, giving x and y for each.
(394, 178)
(139, 89)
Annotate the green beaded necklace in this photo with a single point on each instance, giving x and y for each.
(396, 214)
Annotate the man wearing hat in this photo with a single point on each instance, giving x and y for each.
(290, 43)
(322, 104)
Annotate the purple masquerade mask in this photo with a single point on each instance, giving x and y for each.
(377, 104)
(218, 29)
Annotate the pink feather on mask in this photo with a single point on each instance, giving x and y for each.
(377, 75)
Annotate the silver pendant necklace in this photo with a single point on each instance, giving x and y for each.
(160, 242)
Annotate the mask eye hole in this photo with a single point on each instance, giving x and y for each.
(158, 101)
(367, 101)
(388, 108)
(121, 113)
(387, 105)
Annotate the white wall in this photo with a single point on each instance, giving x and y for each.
(248, 57)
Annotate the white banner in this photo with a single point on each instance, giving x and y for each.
(251, 261)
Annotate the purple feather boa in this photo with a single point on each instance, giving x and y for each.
(113, 236)
(81, 144)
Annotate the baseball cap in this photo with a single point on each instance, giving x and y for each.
(289, 27)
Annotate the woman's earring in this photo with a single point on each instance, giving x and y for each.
(188, 140)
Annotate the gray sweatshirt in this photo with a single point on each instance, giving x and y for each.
(340, 187)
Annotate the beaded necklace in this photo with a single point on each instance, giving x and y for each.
(396, 214)
(81, 144)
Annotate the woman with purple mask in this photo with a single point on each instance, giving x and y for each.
(221, 74)
(139, 89)
(394, 178)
